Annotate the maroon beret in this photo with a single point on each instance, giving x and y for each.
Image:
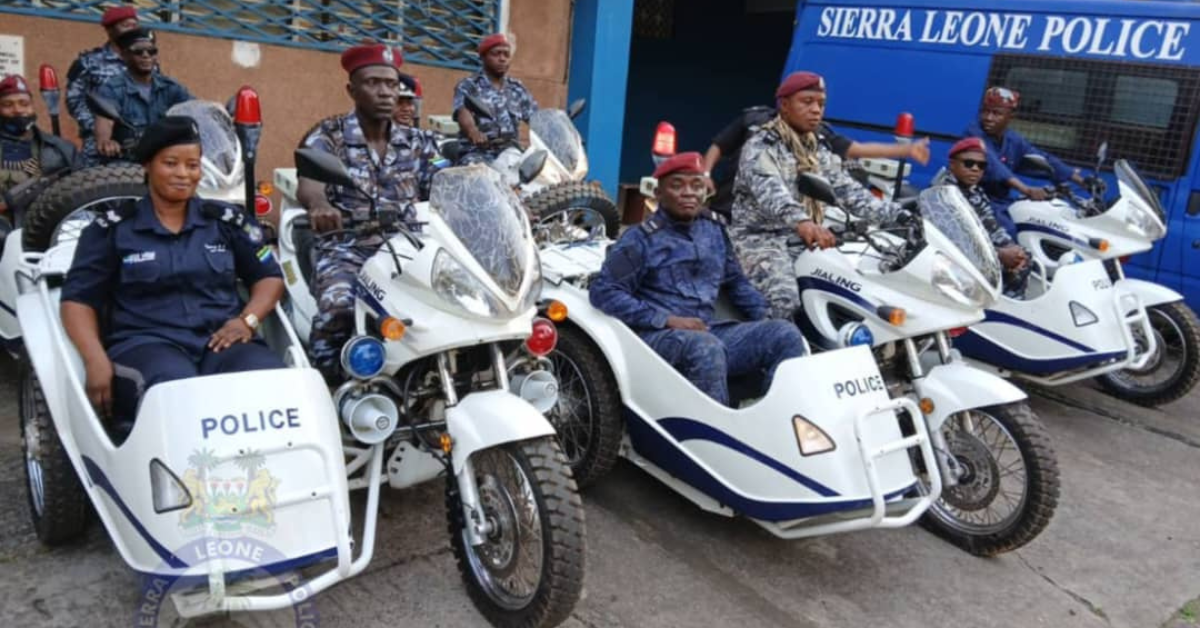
(966, 144)
(800, 82)
(683, 163)
(117, 14)
(491, 41)
(1002, 97)
(13, 84)
(370, 54)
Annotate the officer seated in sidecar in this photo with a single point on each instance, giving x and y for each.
(162, 274)
(662, 280)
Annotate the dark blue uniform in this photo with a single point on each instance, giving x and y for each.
(668, 268)
(89, 71)
(1003, 158)
(136, 107)
(162, 295)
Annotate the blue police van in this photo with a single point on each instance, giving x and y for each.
(1125, 72)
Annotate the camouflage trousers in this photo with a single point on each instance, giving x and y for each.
(769, 267)
(709, 358)
(336, 262)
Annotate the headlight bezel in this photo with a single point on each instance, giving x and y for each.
(447, 273)
(1143, 222)
(956, 283)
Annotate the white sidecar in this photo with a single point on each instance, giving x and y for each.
(223, 479)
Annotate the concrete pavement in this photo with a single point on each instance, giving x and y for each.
(1123, 550)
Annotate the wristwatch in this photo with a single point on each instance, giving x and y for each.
(251, 321)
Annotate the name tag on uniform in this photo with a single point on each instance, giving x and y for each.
(219, 247)
(138, 258)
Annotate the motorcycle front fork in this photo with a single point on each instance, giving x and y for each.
(948, 466)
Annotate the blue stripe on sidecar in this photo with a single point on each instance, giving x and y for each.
(100, 479)
(1054, 232)
(667, 455)
(979, 348)
(992, 316)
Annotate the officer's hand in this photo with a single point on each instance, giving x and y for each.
(686, 322)
(1095, 186)
(1012, 256)
(234, 331)
(477, 137)
(324, 219)
(815, 236)
(99, 376)
(1036, 194)
(918, 151)
(108, 148)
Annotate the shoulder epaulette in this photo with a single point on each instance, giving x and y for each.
(116, 214)
(650, 225)
(225, 212)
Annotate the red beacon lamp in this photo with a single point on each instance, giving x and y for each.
(664, 142)
(905, 128)
(247, 122)
(48, 86)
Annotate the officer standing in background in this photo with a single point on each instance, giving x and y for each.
(91, 69)
(510, 102)
(392, 163)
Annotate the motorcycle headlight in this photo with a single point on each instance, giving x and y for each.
(957, 283)
(1143, 223)
(535, 287)
(458, 287)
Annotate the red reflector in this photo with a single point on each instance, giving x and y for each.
(664, 139)
(957, 331)
(543, 338)
(1125, 259)
(877, 192)
(47, 78)
(248, 110)
(904, 125)
(262, 205)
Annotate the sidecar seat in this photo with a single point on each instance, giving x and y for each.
(304, 241)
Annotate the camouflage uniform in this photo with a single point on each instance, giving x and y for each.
(511, 105)
(667, 268)
(1015, 281)
(398, 180)
(89, 71)
(767, 207)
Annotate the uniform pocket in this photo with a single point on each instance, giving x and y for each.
(141, 272)
(221, 262)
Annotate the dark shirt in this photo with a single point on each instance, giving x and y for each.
(40, 155)
(155, 285)
(137, 108)
(667, 268)
(1004, 157)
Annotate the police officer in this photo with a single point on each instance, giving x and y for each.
(1006, 147)
(727, 147)
(968, 163)
(768, 208)
(91, 69)
(662, 280)
(408, 102)
(141, 93)
(26, 152)
(164, 271)
(393, 163)
(510, 102)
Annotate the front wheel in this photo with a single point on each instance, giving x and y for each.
(528, 572)
(1174, 367)
(1008, 487)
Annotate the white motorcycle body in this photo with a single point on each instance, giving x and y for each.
(747, 461)
(221, 475)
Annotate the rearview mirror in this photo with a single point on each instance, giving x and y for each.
(1036, 164)
(478, 107)
(817, 187)
(321, 166)
(576, 108)
(1102, 154)
(104, 107)
(532, 165)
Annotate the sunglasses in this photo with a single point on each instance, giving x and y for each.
(971, 164)
(143, 52)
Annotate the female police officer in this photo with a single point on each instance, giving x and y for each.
(163, 272)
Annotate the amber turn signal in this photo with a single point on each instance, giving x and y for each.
(926, 405)
(895, 316)
(446, 442)
(392, 328)
(556, 311)
(265, 188)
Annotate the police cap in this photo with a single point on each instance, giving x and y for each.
(127, 39)
(168, 131)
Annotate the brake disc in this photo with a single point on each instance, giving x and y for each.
(980, 481)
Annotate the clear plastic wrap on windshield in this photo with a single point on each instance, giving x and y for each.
(486, 216)
(556, 130)
(949, 211)
(217, 137)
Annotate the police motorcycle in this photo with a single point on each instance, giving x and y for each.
(1138, 339)
(445, 378)
(550, 174)
(903, 292)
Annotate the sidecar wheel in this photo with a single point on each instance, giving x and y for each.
(66, 208)
(588, 415)
(58, 503)
(528, 572)
(1009, 489)
(1174, 368)
(580, 205)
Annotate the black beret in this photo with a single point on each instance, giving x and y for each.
(168, 131)
(128, 38)
(408, 86)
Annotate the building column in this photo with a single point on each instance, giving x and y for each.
(600, 34)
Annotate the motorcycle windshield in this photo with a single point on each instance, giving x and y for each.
(217, 137)
(486, 217)
(947, 209)
(556, 130)
(1127, 175)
